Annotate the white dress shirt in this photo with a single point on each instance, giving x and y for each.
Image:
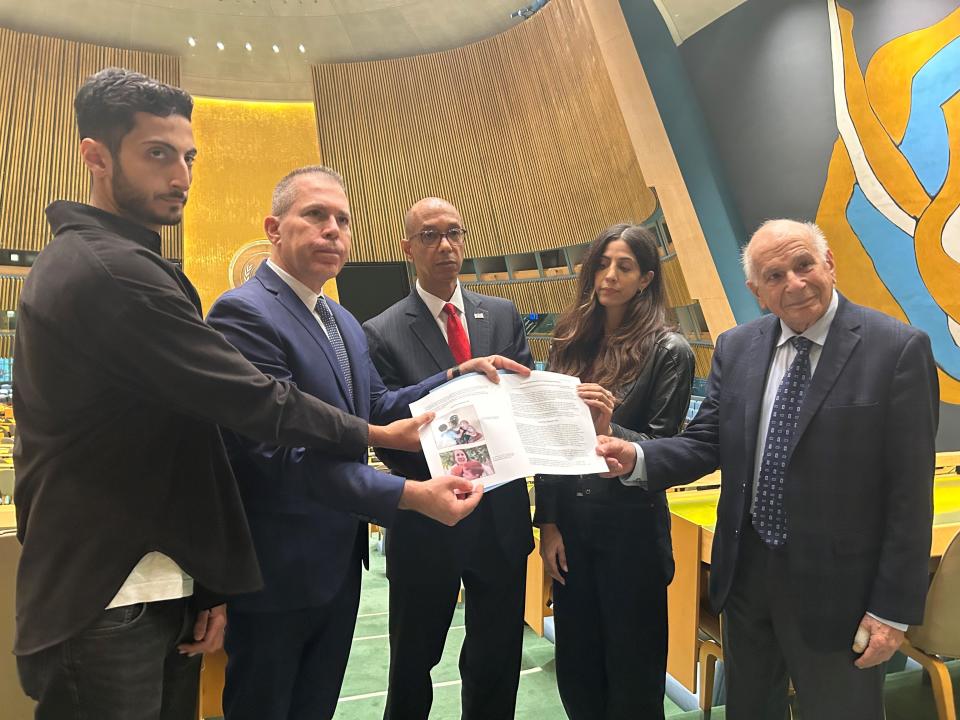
(306, 295)
(782, 358)
(435, 305)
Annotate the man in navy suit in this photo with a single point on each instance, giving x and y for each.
(288, 644)
(822, 418)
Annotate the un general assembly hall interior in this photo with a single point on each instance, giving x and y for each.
(792, 166)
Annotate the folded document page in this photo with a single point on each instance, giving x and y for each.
(498, 433)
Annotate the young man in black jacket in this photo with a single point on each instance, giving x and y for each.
(131, 522)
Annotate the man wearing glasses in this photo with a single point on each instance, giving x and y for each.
(438, 325)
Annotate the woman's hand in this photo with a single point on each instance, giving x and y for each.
(552, 551)
(600, 401)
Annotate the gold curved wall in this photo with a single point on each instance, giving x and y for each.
(522, 132)
(39, 147)
(243, 149)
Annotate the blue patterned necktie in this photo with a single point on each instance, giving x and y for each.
(333, 334)
(768, 515)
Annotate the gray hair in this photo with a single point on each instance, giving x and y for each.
(781, 228)
(285, 194)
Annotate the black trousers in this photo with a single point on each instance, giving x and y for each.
(125, 666)
(289, 665)
(763, 647)
(611, 615)
(421, 608)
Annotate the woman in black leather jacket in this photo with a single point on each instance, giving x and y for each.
(607, 545)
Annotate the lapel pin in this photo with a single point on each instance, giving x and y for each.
(478, 316)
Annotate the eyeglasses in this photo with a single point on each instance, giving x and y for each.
(454, 235)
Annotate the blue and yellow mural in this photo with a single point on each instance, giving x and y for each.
(891, 202)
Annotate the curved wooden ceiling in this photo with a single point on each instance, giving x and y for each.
(328, 30)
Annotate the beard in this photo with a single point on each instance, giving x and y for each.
(135, 203)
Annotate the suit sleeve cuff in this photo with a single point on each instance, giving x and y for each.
(638, 478)
(895, 625)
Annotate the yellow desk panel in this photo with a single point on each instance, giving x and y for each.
(699, 508)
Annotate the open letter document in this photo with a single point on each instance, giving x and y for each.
(498, 433)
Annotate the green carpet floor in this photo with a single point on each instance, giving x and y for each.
(364, 688)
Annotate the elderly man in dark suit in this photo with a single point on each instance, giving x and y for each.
(437, 324)
(822, 418)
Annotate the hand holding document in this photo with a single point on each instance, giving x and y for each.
(496, 433)
(400, 434)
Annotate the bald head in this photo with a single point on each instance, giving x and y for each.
(411, 221)
(437, 261)
(776, 232)
(790, 270)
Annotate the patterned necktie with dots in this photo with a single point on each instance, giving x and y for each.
(333, 334)
(769, 519)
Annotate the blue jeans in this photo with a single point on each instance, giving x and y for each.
(124, 666)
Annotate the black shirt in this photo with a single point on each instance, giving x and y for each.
(119, 387)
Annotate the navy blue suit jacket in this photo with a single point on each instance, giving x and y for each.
(300, 503)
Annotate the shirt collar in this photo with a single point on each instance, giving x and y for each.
(435, 305)
(307, 296)
(816, 333)
(65, 215)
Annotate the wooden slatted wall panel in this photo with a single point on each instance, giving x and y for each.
(539, 348)
(522, 132)
(540, 296)
(703, 357)
(39, 156)
(677, 293)
(10, 286)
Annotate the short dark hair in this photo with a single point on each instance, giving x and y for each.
(107, 101)
(285, 194)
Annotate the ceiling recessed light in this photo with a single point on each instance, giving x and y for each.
(302, 48)
(219, 45)
(276, 48)
(191, 42)
(248, 46)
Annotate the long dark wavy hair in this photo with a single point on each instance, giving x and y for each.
(580, 346)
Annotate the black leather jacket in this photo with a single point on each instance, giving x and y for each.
(655, 405)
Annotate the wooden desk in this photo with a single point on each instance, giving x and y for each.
(535, 607)
(694, 517)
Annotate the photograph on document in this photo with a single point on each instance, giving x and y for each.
(471, 463)
(460, 427)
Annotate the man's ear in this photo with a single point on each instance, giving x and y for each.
(405, 245)
(271, 227)
(96, 157)
(753, 288)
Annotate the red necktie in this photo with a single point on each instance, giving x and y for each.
(456, 335)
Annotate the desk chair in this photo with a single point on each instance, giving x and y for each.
(939, 636)
(710, 652)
